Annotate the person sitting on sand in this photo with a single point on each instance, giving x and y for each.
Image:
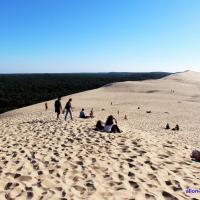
(195, 155)
(58, 107)
(167, 126)
(99, 126)
(176, 128)
(111, 125)
(82, 114)
(92, 113)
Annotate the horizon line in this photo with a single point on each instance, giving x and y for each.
(128, 72)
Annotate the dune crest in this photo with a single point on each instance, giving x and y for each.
(186, 76)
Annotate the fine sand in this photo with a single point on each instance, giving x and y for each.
(48, 159)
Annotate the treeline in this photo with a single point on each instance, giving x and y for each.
(19, 90)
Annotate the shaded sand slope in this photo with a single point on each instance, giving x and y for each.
(42, 158)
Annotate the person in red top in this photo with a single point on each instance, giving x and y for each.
(68, 109)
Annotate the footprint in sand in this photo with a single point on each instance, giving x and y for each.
(8, 186)
(134, 185)
(90, 186)
(121, 177)
(153, 168)
(168, 196)
(131, 175)
(79, 188)
(153, 177)
(30, 195)
(149, 197)
(168, 183)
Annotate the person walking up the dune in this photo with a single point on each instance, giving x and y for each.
(68, 109)
(58, 107)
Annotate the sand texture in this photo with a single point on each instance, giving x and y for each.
(43, 158)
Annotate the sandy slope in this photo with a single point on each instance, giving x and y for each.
(42, 158)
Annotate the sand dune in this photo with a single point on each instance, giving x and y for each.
(42, 158)
(186, 77)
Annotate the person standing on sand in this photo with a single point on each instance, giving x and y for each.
(92, 113)
(68, 109)
(58, 107)
(46, 106)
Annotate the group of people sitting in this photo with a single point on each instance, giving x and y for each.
(84, 116)
(176, 128)
(110, 126)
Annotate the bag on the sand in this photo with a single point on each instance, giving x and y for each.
(195, 155)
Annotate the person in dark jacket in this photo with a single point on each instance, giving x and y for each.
(58, 107)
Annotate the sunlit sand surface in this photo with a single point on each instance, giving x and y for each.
(42, 158)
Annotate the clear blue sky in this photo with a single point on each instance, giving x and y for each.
(99, 35)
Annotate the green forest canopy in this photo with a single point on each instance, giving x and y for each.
(19, 90)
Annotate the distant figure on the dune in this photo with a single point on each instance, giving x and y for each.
(68, 109)
(111, 103)
(46, 106)
(195, 155)
(92, 113)
(118, 112)
(167, 126)
(111, 125)
(82, 114)
(172, 91)
(125, 117)
(58, 107)
(176, 128)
